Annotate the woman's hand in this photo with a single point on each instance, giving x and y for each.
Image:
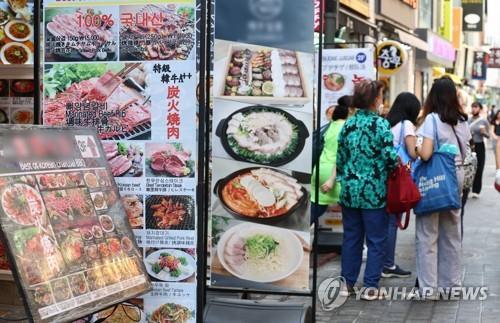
(328, 185)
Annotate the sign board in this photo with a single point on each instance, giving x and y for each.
(68, 238)
(260, 187)
(342, 70)
(391, 57)
(479, 65)
(457, 27)
(138, 88)
(494, 58)
(360, 6)
(473, 13)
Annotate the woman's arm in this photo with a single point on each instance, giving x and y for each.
(330, 182)
(411, 143)
(426, 150)
(498, 154)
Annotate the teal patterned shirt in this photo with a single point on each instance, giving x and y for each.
(365, 157)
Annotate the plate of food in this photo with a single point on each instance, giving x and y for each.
(260, 194)
(3, 117)
(78, 284)
(171, 312)
(106, 223)
(171, 160)
(22, 117)
(262, 135)
(23, 204)
(61, 289)
(4, 16)
(255, 73)
(99, 201)
(260, 253)
(18, 30)
(16, 53)
(334, 81)
(124, 313)
(91, 180)
(170, 265)
(23, 86)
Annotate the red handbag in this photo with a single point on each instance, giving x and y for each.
(402, 193)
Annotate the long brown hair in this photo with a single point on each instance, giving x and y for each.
(443, 100)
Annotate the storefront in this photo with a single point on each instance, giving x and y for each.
(441, 54)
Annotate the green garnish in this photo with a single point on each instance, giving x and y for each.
(260, 246)
(183, 261)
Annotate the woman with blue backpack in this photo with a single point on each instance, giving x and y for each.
(402, 117)
(329, 188)
(440, 176)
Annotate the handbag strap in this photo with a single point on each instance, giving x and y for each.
(406, 223)
(459, 145)
(475, 122)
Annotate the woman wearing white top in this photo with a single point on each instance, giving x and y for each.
(402, 117)
(438, 236)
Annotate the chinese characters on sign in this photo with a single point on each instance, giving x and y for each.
(391, 56)
(494, 61)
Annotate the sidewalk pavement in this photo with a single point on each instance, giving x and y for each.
(481, 267)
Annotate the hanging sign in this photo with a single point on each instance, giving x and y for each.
(494, 61)
(391, 57)
(71, 249)
(473, 13)
(479, 66)
(128, 69)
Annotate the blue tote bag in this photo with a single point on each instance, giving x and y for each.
(401, 148)
(437, 181)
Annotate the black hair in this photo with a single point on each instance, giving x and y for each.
(342, 109)
(477, 104)
(443, 100)
(405, 107)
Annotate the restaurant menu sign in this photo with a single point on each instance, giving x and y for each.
(342, 69)
(71, 249)
(261, 161)
(128, 69)
(16, 32)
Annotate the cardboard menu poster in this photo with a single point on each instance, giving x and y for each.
(69, 243)
(261, 159)
(16, 32)
(128, 69)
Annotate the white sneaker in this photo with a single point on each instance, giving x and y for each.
(475, 195)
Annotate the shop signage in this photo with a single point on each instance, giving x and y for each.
(69, 243)
(360, 6)
(494, 59)
(138, 89)
(317, 12)
(457, 27)
(391, 57)
(411, 3)
(479, 66)
(440, 47)
(446, 29)
(342, 69)
(260, 210)
(473, 15)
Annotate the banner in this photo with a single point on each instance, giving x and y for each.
(473, 13)
(71, 249)
(479, 66)
(494, 61)
(261, 154)
(391, 56)
(342, 70)
(132, 75)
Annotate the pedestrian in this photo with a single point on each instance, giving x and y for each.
(480, 130)
(365, 157)
(329, 187)
(497, 154)
(402, 117)
(438, 237)
(495, 122)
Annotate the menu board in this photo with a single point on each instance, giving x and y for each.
(17, 101)
(62, 221)
(261, 160)
(16, 32)
(128, 69)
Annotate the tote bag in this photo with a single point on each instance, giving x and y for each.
(401, 147)
(437, 181)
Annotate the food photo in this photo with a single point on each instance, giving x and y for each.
(260, 257)
(170, 212)
(125, 159)
(173, 38)
(134, 207)
(16, 32)
(158, 311)
(170, 265)
(81, 34)
(169, 160)
(110, 86)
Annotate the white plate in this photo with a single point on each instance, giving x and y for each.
(4, 48)
(288, 243)
(186, 271)
(10, 23)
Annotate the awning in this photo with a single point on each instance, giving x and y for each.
(413, 40)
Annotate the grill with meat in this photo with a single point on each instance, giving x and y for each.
(123, 105)
(66, 26)
(168, 213)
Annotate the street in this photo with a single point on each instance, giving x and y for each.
(481, 267)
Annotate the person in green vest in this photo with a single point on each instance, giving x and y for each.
(329, 188)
